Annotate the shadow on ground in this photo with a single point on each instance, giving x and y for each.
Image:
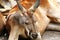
(48, 35)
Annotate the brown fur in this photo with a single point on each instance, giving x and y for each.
(42, 19)
(2, 22)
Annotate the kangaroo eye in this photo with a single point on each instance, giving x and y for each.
(27, 23)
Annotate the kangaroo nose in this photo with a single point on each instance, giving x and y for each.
(34, 35)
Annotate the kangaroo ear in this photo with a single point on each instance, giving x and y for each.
(34, 6)
(16, 0)
(20, 6)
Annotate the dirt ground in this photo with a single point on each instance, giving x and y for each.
(51, 35)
